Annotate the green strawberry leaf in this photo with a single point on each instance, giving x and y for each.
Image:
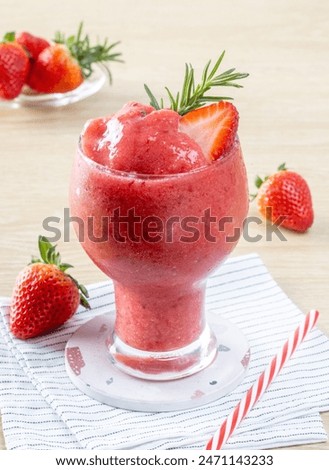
(44, 247)
(9, 37)
(65, 266)
(282, 167)
(258, 181)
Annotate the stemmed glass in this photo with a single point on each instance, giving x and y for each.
(159, 238)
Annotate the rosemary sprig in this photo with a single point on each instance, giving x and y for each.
(87, 55)
(194, 96)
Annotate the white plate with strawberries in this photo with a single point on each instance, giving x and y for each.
(30, 98)
(37, 72)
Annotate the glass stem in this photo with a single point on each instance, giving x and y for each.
(159, 318)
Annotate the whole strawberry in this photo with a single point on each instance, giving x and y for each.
(14, 68)
(62, 66)
(44, 296)
(55, 71)
(285, 196)
(34, 45)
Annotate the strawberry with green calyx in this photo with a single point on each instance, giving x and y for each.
(286, 197)
(14, 67)
(44, 295)
(55, 71)
(65, 64)
(87, 55)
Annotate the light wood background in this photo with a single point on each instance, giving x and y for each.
(284, 117)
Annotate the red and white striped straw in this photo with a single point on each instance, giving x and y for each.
(264, 380)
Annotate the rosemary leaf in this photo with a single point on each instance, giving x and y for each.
(193, 96)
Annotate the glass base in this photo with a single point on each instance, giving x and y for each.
(168, 365)
(92, 369)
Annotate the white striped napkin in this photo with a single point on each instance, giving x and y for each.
(42, 409)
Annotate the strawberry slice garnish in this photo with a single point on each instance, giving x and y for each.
(213, 127)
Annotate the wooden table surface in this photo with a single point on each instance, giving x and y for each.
(284, 117)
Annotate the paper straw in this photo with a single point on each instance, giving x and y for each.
(264, 380)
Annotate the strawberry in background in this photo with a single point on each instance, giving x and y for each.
(59, 66)
(65, 64)
(34, 45)
(55, 71)
(14, 67)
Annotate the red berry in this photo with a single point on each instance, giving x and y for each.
(44, 296)
(285, 198)
(43, 299)
(33, 44)
(55, 71)
(14, 68)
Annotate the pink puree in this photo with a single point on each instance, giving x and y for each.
(159, 278)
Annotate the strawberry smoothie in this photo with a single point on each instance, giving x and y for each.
(158, 217)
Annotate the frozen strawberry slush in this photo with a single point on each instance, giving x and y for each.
(164, 215)
(137, 139)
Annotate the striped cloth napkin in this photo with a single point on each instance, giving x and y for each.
(42, 409)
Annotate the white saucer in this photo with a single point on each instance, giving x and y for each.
(91, 369)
